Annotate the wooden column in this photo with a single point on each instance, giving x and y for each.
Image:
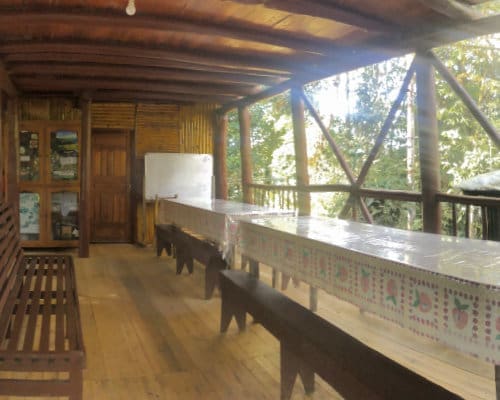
(299, 134)
(85, 154)
(302, 173)
(12, 194)
(428, 144)
(246, 153)
(2, 153)
(220, 156)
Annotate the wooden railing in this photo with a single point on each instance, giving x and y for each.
(471, 210)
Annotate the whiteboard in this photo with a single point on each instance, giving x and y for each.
(181, 175)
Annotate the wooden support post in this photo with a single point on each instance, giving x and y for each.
(428, 144)
(2, 156)
(12, 194)
(300, 141)
(220, 156)
(246, 153)
(84, 211)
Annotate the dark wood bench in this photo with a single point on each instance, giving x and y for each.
(309, 344)
(40, 328)
(190, 246)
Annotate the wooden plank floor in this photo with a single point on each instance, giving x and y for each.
(150, 335)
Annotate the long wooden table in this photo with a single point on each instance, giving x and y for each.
(440, 287)
(217, 220)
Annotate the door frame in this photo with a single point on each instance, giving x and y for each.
(130, 164)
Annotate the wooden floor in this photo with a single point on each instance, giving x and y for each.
(150, 335)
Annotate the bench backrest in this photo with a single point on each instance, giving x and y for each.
(11, 254)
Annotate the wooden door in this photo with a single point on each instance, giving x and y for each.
(110, 186)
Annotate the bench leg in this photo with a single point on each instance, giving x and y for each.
(275, 278)
(184, 257)
(254, 268)
(244, 261)
(76, 382)
(215, 265)
(228, 310)
(285, 279)
(497, 381)
(290, 367)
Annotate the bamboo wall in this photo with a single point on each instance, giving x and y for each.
(158, 128)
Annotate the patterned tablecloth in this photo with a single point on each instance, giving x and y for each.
(215, 219)
(440, 287)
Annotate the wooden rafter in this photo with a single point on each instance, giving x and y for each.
(91, 84)
(142, 96)
(261, 61)
(134, 72)
(84, 59)
(239, 30)
(333, 10)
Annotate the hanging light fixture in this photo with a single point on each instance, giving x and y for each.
(130, 10)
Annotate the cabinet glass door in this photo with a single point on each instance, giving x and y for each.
(29, 156)
(64, 216)
(64, 155)
(29, 215)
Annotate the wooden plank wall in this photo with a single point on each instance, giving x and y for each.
(158, 128)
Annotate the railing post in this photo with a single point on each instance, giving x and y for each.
(220, 156)
(246, 153)
(428, 144)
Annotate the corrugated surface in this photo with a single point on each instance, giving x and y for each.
(49, 109)
(196, 128)
(113, 115)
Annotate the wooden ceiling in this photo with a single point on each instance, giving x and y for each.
(213, 50)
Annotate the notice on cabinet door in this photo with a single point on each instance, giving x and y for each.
(29, 213)
(64, 155)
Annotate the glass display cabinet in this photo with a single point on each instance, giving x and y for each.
(49, 169)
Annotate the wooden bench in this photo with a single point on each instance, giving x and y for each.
(190, 246)
(40, 330)
(309, 344)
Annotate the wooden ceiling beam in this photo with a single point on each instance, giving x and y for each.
(21, 58)
(126, 72)
(240, 30)
(257, 61)
(333, 10)
(48, 84)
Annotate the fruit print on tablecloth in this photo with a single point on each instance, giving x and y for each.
(323, 272)
(423, 307)
(344, 275)
(392, 295)
(305, 265)
(365, 282)
(460, 316)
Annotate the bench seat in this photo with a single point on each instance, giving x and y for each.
(40, 328)
(309, 344)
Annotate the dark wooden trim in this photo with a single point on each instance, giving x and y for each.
(6, 83)
(466, 98)
(220, 155)
(470, 200)
(141, 96)
(85, 181)
(300, 145)
(428, 144)
(245, 153)
(12, 194)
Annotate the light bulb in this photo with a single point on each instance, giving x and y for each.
(130, 10)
